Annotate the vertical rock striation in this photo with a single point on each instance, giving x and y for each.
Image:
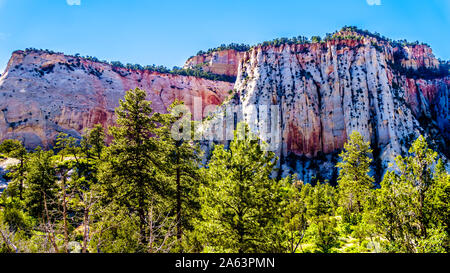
(42, 94)
(324, 91)
(223, 62)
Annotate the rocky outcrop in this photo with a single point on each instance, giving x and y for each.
(223, 62)
(419, 56)
(324, 91)
(42, 94)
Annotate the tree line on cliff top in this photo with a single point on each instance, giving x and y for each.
(193, 71)
(146, 192)
(353, 33)
(346, 33)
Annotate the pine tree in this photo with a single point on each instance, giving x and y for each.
(183, 157)
(295, 213)
(325, 234)
(41, 187)
(354, 181)
(68, 151)
(437, 201)
(393, 213)
(418, 169)
(409, 199)
(320, 199)
(84, 184)
(240, 205)
(130, 174)
(321, 203)
(94, 142)
(41, 192)
(88, 155)
(15, 149)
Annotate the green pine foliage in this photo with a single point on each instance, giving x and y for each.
(41, 185)
(354, 183)
(15, 149)
(130, 172)
(240, 203)
(410, 202)
(134, 187)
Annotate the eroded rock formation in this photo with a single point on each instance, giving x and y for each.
(224, 62)
(324, 91)
(42, 94)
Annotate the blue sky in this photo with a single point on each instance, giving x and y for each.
(168, 32)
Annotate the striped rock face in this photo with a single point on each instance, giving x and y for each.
(224, 62)
(42, 94)
(304, 100)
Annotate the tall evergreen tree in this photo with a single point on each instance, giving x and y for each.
(66, 146)
(354, 181)
(240, 205)
(321, 202)
(408, 199)
(418, 169)
(93, 142)
(15, 149)
(84, 184)
(438, 201)
(130, 174)
(41, 187)
(41, 193)
(183, 157)
(295, 213)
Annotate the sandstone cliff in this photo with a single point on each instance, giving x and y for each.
(324, 91)
(42, 94)
(224, 62)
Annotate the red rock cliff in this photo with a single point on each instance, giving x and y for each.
(43, 94)
(223, 62)
(326, 90)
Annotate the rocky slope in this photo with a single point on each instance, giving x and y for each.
(324, 91)
(42, 94)
(223, 62)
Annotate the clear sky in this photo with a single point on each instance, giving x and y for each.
(168, 32)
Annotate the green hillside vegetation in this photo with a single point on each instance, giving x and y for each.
(146, 192)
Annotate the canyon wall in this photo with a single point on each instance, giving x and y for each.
(325, 91)
(42, 94)
(224, 62)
